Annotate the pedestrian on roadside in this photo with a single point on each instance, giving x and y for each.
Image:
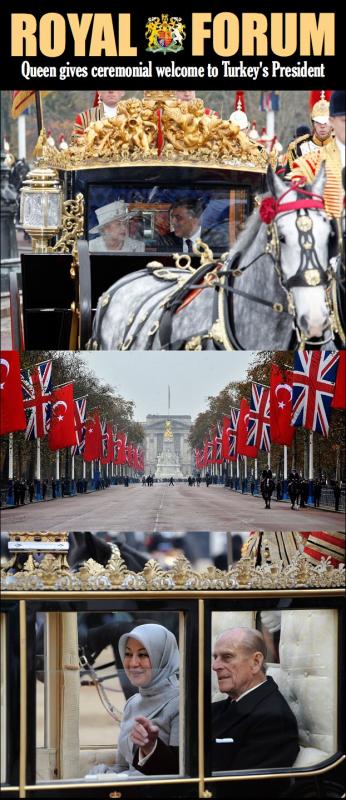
(16, 492)
(252, 485)
(31, 491)
(337, 493)
(22, 491)
(171, 481)
(317, 489)
(44, 489)
(53, 488)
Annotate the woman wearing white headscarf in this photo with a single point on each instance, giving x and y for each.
(149, 732)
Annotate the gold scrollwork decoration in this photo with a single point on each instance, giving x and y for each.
(72, 226)
(54, 573)
(189, 135)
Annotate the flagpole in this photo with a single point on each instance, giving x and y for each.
(10, 492)
(84, 470)
(38, 470)
(21, 133)
(39, 115)
(311, 467)
(237, 481)
(57, 471)
(245, 472)
(285, 492)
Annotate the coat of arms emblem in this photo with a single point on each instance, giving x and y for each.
(165, 34)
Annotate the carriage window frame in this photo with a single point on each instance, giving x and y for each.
(302, 601)
(27, 611)
(200, 605)
(52, 639)
(228, 179)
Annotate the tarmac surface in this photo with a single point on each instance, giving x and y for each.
(166, 508)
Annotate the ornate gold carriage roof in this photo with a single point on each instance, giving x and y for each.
(158, 129)
(51, 572)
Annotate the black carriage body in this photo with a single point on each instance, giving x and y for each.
(49, 285)
(325, 779)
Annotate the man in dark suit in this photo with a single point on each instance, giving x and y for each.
(255, 727)
(186, 223)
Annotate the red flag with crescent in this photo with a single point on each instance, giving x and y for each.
(120, 448)
(244, 449)
(93, 438)
(62, 431)
(281, 390)
(12, 416)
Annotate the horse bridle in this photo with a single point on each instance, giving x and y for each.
(310, 272)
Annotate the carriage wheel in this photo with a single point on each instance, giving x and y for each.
(15, 315)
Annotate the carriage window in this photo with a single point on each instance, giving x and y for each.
(109, 695)
(279, 663)
(163, 219)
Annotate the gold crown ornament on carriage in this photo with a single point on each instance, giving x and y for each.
(161, 125)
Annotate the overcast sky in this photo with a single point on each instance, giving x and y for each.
(145, 377)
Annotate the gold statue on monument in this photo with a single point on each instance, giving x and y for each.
(168, 433)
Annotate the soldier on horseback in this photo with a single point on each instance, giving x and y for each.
(294, 488)
(267, 486)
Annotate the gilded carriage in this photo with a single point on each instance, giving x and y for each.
(156, 151)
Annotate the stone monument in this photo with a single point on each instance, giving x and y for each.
(168, 463)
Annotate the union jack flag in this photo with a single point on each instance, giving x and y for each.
(259, 419)
(314, 378)
(37, 394)
(199, 458)
(217, 457)
(80, 426)
(229, 436)
(208, 450)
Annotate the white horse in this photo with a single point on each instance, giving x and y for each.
(273, 288)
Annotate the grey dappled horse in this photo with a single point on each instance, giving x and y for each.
(272, 289)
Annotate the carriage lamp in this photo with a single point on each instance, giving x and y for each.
(41, 206)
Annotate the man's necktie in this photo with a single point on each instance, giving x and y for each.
(189, 245)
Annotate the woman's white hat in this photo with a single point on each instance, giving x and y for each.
(118, 210)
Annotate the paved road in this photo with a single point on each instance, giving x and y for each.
(166, 508)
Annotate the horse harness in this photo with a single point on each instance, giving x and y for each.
(188, 282)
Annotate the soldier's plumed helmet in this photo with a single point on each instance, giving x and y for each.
(320, 111)
(337, 104)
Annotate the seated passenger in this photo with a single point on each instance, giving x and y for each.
(113, 229)
(149, 732)
(186, 224)
(254, 727)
